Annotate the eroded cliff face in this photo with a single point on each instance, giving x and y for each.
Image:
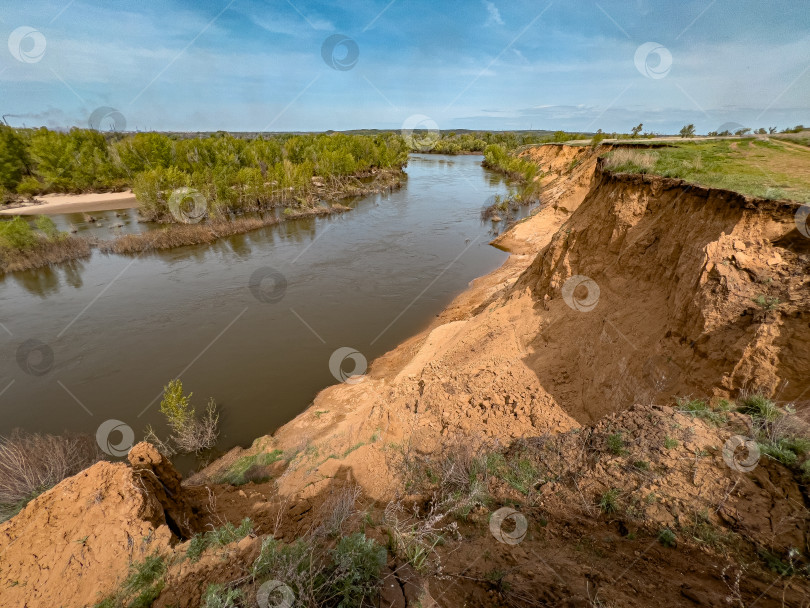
(680, 290)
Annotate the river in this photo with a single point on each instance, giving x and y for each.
(97, 339)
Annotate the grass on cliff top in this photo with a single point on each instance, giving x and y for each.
(766, 168)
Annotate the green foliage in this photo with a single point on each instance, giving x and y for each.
(688, 131)
(667, 537)
(608, 502)
(518, 472)
(218, 537)
(176, 406)
(758, 406)
(142, 587)
(218, 596)
(357, 564)
(751, 166)
(234, 174)
(616, 444)
(14, 158)
(47, 226)
(498, 158)
(239, 473)
(670, 443)
(766, 303)
(16, 234)
(699, 408)
(786, 450)
(29, 186)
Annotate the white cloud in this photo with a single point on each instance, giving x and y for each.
(494, 15)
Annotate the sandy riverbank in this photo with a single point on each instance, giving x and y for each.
(50, 204)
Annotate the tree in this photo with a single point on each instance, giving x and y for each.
(637, 129)
(14, 159)
(688, 131)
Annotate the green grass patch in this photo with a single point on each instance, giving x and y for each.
(667, 537)
(747, 165)
(609, 502)
(218, 537)
(245, 469)
(616, 444)
(142, 586)
(700, 408)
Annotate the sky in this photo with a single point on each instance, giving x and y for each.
(307, 65)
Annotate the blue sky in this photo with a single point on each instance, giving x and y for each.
(488, 64)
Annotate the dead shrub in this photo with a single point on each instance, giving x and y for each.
(31, 463)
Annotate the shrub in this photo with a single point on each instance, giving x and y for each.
(608, 502)
(218, 596)
(16, 234)
(667, 537)
(758, 406)
(29, 187)
(616, 444)
(31, 463)
(357, 564)
(189, 433)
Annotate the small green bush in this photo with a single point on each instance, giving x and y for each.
(759, 406)
(357, 563)
(616, 444)
(608, 502)
(16, 234)
(218, 596)
(667, 537)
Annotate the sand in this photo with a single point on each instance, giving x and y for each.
(50, 204)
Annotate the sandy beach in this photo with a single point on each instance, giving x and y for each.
(50, 204)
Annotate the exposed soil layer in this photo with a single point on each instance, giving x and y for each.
(627, 500)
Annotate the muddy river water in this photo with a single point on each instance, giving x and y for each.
(251, 321)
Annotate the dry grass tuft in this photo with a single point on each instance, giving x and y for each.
(626, 159)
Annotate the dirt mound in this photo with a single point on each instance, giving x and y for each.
(73, 544)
